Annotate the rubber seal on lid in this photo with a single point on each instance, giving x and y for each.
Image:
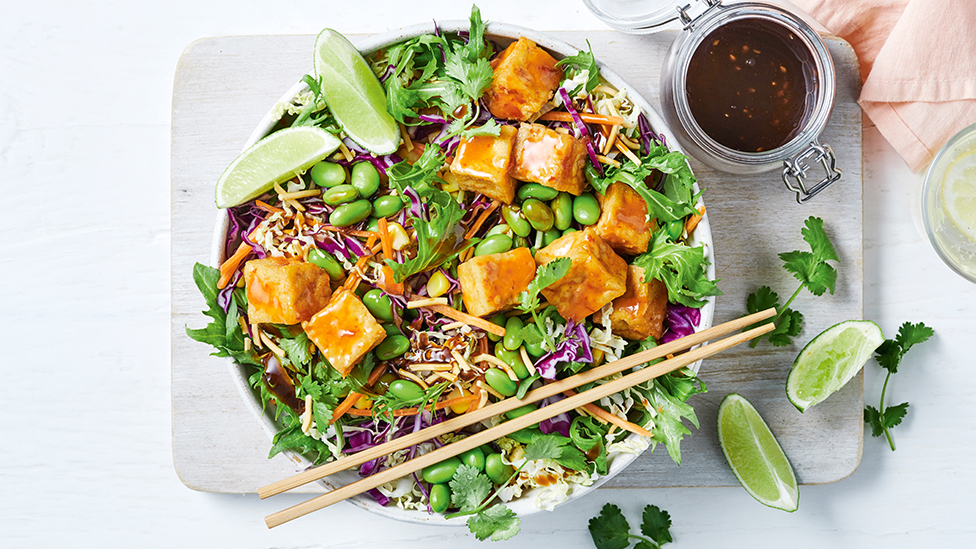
(645, 16)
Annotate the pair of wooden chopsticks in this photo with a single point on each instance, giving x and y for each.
(508, 427)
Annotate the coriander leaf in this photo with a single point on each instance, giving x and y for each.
(817, 276)
(491, 127)
(545, 275)
(889, 355)
(909, 334)
(296, 349)
(645, 544)
(497, 523)
(610, 529)
(476, 35)
(545, 447)
(816, 237)
(322, 415)
(683, 270)
(656, 524)
(473, 78)
(894, 414)
(787, 327)
(291, 437)
(469, 488)
(873, 418)
(760, 300)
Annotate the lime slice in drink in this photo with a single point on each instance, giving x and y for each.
(754, 455)
(829, 361)
(271, 160)
(354, 94)
(959, 194)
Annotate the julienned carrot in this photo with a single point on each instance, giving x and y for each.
(588, 117)
(355, 276)
(345, 406)
(385, 240)
(229, 266)
(351, 232)
(693, 220)
(413, 411)
(267, 207)
(376, 374)
(482, 218)
(605, 415)
(470, 320)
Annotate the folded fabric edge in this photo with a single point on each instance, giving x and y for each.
(899, 133)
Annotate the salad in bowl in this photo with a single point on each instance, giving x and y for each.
(509, 214)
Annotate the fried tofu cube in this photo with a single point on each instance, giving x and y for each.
(623, 220)
(482, 164)
(596, 277)
(492, 283)
(549, 158)
(639, 313)
(525, 76)
(284, 290)
(344, 331)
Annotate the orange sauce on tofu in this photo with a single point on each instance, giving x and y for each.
(478, 157)
(537, 155)
(262, 297)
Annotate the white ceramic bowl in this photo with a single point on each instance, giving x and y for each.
(503, 34)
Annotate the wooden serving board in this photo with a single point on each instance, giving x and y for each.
(223, 88)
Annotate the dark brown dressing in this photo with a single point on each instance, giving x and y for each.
(748, 85)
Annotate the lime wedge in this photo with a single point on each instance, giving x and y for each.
(271, 160)
(754, 455)
(829, 361)
(959, 194)
(354, 94)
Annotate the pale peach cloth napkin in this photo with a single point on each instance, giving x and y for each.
(918, 66)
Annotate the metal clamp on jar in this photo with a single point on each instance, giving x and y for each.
(746, 88)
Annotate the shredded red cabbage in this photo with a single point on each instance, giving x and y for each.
(556, 424)
(581, 128)
(574, 346)
(647, 133)
(680, 321)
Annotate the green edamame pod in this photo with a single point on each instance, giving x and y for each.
(498, 229)
(379, 305)
(520, 411)
(441, 472)
(535, 350)
(499, 381)
(392, 347)
(474, 457)
(497, 470)
(520, 241)
(365, 179)
(326, 262)
(538, 214)
(405, 389)
(513, 339)
(440, 497)
(494, 244)
(373, 225)
(562, 211)
(328, 174)
(391, 329)
(675, 228)
(387, 205)
(340, 194)
(569, 231)
(536, 191)
(550, 236)
(513, 217)
(351, 213)
(498, 320)
(586, 210)
(513, 359)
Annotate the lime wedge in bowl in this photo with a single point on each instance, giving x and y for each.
(354, 94)
(271, 160)
(754, 455)
(830, 360)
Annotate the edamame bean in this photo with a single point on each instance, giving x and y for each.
(569, 231)
(326, 262)
(498, 380)
(373, 225)
(387, 205)
(562, 211)
(405, 389)
(586, 210)
(498, 229)
(513, 217)
(520, 241)
(497, 470)
(513, 339)
(513, 359)
(534, 349)
(379, 304)
(498, 320)
(474, 458)
(520, 411)
(351, 213)
(675, 228)
(392, 347)
(550, 236)
(591, 174)
(383, 385)
(340, 194)
(365, 179)
(441, 472)
(440, 498)
(391, 329)
(328, 174)
(494, 244)
(536, 191)
(538, 214)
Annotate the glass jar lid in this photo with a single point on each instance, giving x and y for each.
(647, 16)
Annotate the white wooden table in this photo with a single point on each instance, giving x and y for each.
(85, 92)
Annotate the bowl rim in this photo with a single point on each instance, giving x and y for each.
(524, 505)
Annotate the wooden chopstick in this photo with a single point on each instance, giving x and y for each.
(508, 404)
(508, 427)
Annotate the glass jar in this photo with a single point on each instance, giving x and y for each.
(693, 82)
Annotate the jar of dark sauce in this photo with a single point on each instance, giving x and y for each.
(745, 88)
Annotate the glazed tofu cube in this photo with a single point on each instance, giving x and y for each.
(597, 276)
(492, 283)
(525, 78)
(284, 291)
(482, 163)
(639, 313)
(623, 220)
(549, 158)
(344, 331)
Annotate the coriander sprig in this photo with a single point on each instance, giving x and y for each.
(528, 300)
(813, 272)
(610, 530)
(889, 356)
